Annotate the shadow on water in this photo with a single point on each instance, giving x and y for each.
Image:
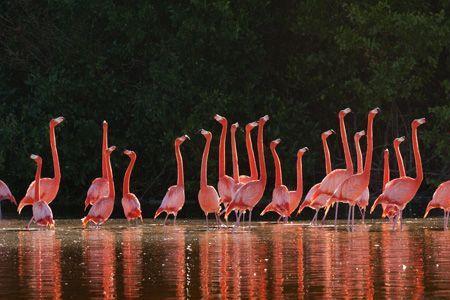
(266, 261)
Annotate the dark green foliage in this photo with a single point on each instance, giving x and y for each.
(159, 69)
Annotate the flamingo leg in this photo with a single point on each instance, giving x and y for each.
(174, 219)
(165, 220)
(401, 219)
(446, 214)
(353, 216)
(278, 220)
(349, 216)
(206, 217)
(314, 219)
(219, 222)
(250, 218)
(335, 213)
(363, 214)
(29, 223)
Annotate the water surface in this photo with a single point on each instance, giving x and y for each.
(266, 261)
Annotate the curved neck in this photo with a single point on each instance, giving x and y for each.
(234, 156)
(204, 168)
(299, 190)
(417, 158)
(386, 170)
(359, 157)
(180, 170)
(348, 157)
(398, 155)
(369, 150)
(56, 169)
(126, 179)
(277, 163)
(261, 159)
(37, 185)
(112, 192)
(104, 147)
(326, 152)
(251, 155)
(223, 140)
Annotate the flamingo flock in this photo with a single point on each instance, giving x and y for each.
(241, 193)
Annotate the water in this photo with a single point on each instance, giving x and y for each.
(268, 261)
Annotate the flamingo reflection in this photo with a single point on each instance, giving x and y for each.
(39, 263)
(132, 262)
(99, 257)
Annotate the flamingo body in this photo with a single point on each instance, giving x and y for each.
(100, 212)
(131, 207)
(98, 189)
(280, 201)
(5, 193)
(173, 201)
(441, 198)
(208, 199)
(42, 214)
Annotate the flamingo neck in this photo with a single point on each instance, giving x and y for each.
(37, 179)
(417, 158)
(251, 155)
(104, 147)
(261, 159)
(112, 192)
(55, 157)
(369, 150)
(180, 170)
(386, 169)
(126, 179)
(326, 152)
(234, 156)
(299, 190)
(398, 154)
(223, 140)
(277, 163)
(348, 157)
(204, 168)
(359, 157)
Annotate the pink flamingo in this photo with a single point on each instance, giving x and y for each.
(102, 209)
(208, 197)
(130, 203)
(251, 155)
(249, 195)
(353, 187)
(234, 156)
(363, 200)
(308, 198)
(280, 194)
(5, 193)
(441, 199)
(42, 214)
(401, 190)
(337, 176)
(49, 186)
(99, 187)
(173, 201)
(226, 183)
(389, 210)
(296, 196)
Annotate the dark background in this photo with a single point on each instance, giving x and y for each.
(159, 69)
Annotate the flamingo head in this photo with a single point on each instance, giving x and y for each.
(263, 120)
(374, 111)
(207, 134)
(180, 140)
(56, 121)
(220, 119)
(359, 134)
(275, 143)
(386, 151)
(105, 124)
(36, 158)
(399, 140)
(327, 133)
(110, 149)
(302, 151)
(234, 127)
(417, 122)
(250, 126)
(344, 112)
(130, 153)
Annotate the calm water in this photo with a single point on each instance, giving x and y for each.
(267, 261)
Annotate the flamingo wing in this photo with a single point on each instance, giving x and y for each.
(400, 191)
(99, 188)
(5, 193)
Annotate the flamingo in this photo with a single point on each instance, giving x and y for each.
(251, 155)
(280, 194)
(208, 197)
(354, 186)
(173, 201)
(102, 209)
(400, 191)
(389, 210)
(441, 199)
(226, 183)
(99, 186)
(130, 203)
(307, 202)
(5, 193)
(42, 214)
(296, 196)
(249, 195)
(49, 187)
(333, 179)
(363, 200)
